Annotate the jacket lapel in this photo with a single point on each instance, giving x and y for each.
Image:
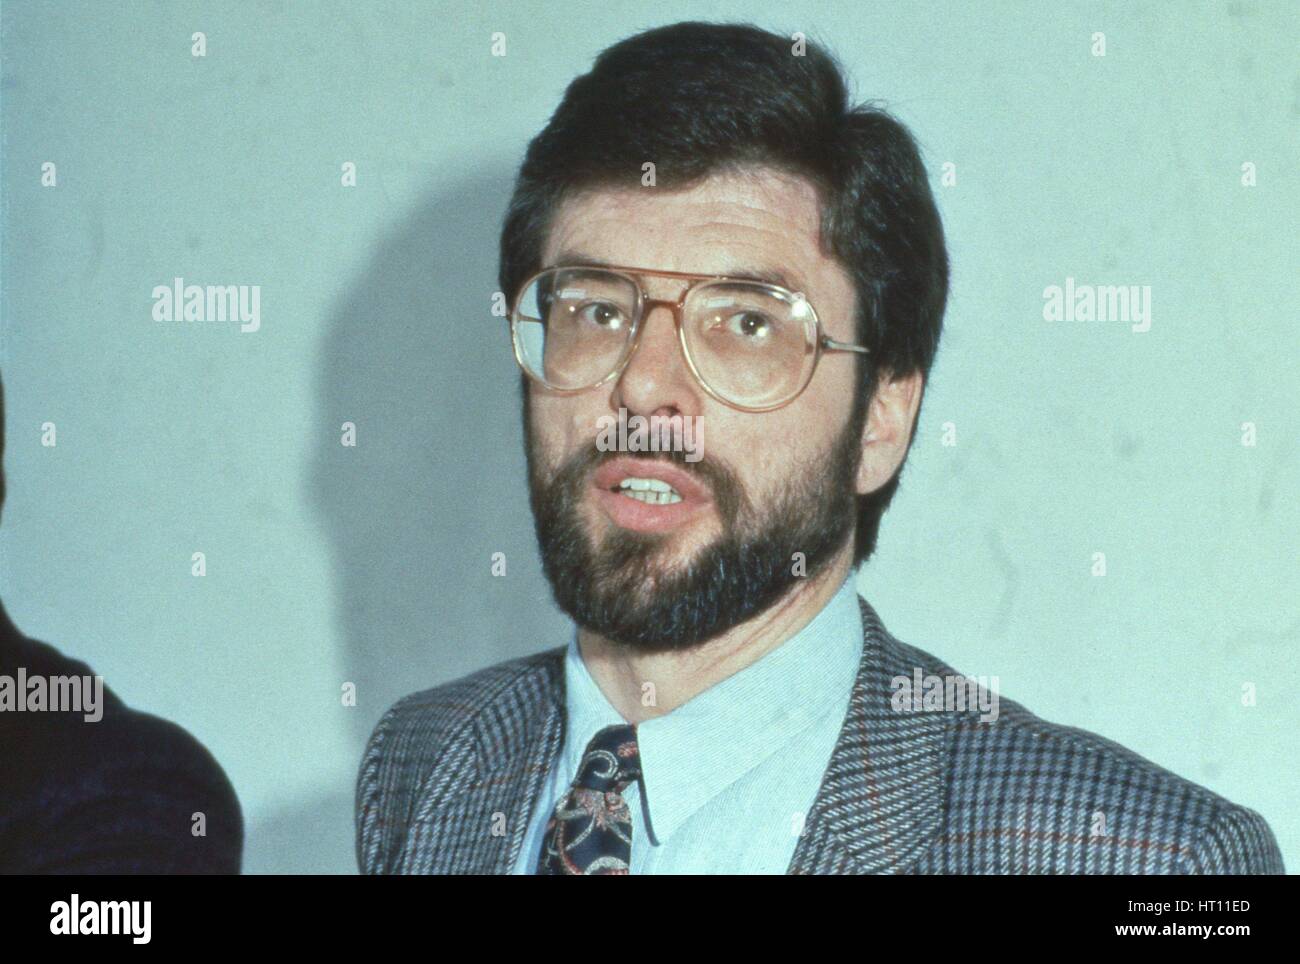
(882, 797)
(475, 819)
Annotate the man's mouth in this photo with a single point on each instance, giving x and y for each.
(648, 495)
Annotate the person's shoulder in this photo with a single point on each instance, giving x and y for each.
(162, 802)
(123, 791)
(1079, 796)
(432, 716)
(441, 734)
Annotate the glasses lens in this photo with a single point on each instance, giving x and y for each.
(572, 325)
(753, 345)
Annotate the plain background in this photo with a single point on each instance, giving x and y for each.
(371, 565)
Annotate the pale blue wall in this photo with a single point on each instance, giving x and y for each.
(371, 565)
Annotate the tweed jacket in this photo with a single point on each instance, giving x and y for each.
(451, 776)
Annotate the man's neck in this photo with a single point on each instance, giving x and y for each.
(622, 674)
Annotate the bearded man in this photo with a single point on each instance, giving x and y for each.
(706, 233)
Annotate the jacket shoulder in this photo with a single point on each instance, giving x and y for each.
(120, 796)
(117, 794)
(430, 743)
(1028, 795)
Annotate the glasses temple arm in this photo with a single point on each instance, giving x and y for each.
(830, 344)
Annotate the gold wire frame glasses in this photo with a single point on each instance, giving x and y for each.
(749, 344)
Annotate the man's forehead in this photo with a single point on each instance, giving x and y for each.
(758, 214)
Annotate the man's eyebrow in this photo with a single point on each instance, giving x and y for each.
(766, 275)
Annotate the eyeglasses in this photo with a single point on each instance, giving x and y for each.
(749, 344)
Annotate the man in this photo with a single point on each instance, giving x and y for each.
(89, 785)
(706, 235)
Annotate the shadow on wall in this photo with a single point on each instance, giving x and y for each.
(434, 486)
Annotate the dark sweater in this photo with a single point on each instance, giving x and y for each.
(113, 796)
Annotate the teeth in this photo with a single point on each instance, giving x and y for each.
(649, 491)
(648, 485)
(652, 498)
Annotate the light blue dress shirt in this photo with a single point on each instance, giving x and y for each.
(728, 776)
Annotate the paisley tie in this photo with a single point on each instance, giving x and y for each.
(590, 831)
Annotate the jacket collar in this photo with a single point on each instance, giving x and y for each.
(882, 798)
(880, 802)
(473, 819)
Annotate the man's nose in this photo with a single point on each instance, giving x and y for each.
(657, 380)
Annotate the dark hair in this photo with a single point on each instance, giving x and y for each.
(701, 98)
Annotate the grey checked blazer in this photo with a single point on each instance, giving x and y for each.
(451, 775)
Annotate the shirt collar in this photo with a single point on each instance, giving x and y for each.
(691, 754)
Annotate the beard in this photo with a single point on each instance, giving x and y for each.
(622, 589)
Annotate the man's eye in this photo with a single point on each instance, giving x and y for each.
(749, 325)
(602, 314)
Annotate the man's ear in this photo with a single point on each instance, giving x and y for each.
(891, 419)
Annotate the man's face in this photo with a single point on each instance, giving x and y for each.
(769, 485)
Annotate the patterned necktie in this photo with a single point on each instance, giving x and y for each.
(591, 829)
